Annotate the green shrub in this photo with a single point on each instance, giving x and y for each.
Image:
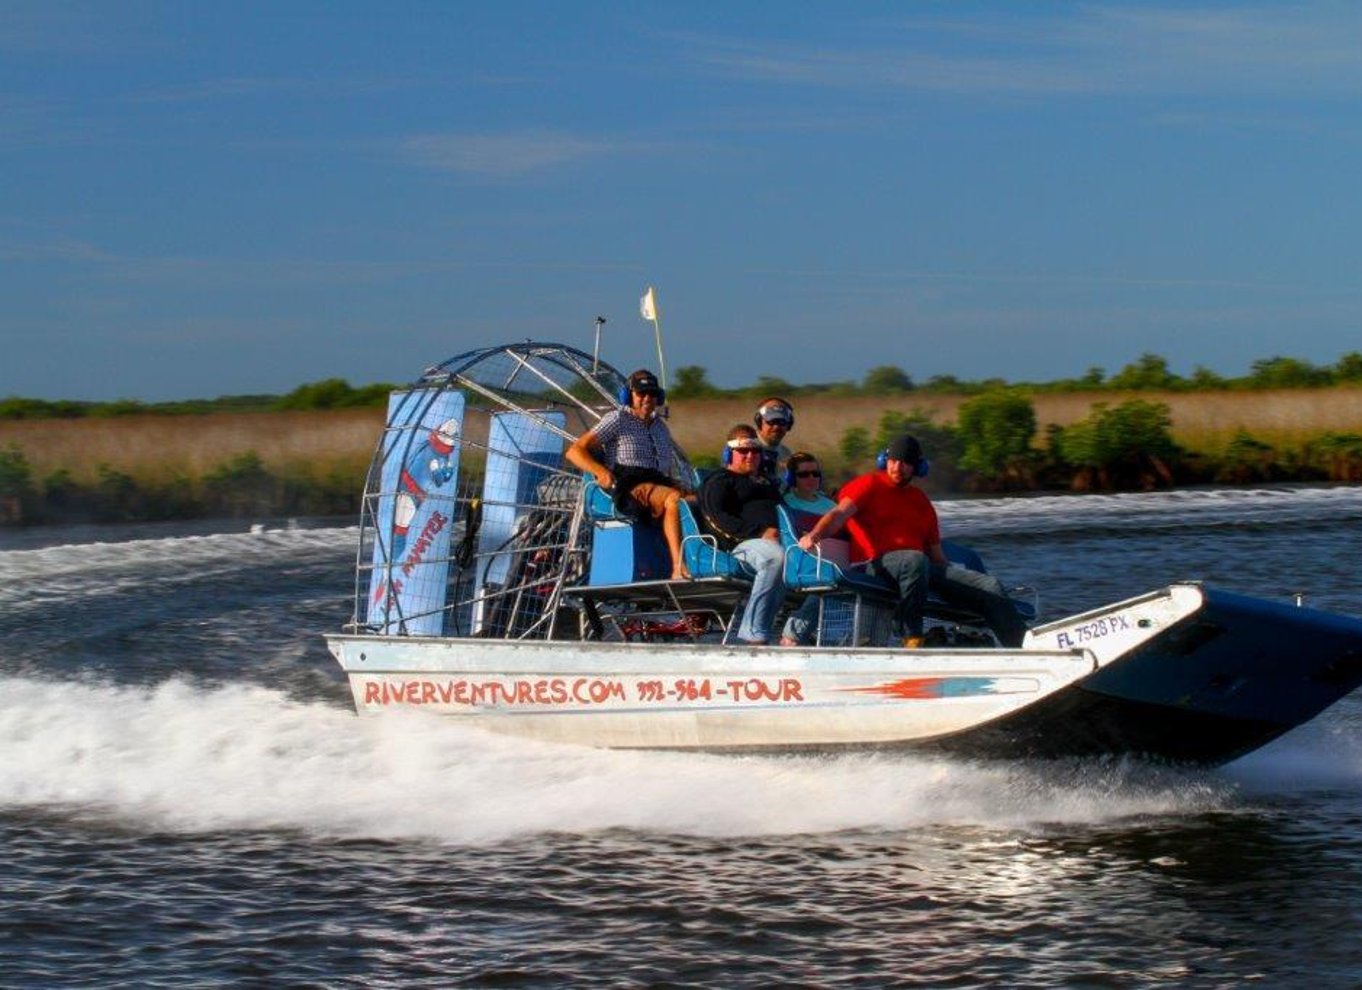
(116, 497)
(1338, 455)
(1285, 372)
(1130, 445)
(15, 473)
(945, 383)
(1245, 460)
(1349, 368)
(121, 407)
(334, 393)
(767, 386)
(691, 382)
(940, 444)
(995, 431)
(887, 379)
(854, 445)
(1148, 373)
(241, 486)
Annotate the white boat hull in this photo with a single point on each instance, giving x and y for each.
(643, 695)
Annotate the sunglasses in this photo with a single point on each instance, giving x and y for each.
(746, 450)
(808, 474)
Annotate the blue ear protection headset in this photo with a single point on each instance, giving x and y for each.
(788, 477)
(726, 455)
(623, 396)
(920, 467)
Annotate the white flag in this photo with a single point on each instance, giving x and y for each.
(648, 305)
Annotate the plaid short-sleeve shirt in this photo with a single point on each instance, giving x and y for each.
(630, 442)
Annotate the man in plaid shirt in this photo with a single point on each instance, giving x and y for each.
(629, 452)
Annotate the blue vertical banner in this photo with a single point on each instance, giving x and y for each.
(415, 513)
(522, 450)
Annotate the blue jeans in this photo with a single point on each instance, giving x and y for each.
(909, 572)
(913, 574)
(982, 593)
(767, 558)
(802, 627)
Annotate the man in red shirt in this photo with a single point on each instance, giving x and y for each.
(893, 530)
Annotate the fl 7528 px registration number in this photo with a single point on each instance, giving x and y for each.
(1089, 631)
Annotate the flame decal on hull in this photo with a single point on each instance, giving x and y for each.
(928, 688)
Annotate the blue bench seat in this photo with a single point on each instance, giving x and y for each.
(812, 572)
(702, 555)
(617, 538)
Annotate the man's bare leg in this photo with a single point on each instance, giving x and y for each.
(671, 529)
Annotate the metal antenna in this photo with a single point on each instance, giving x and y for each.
(596, 354)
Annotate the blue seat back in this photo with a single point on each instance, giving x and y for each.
(622, 551)
(599, 503)
(701, 551)
(812, 572)
(805, 571)
(958, 553)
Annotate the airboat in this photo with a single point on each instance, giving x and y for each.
(497, 585)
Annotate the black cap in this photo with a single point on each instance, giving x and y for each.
(906, 449)
(644, 382)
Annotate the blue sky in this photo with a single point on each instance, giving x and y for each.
(202, 199)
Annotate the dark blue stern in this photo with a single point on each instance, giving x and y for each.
(1229, 679)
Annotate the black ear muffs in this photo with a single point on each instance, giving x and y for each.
(758, 419)
(920, 468)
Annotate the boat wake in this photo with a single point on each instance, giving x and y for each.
(187, 758)
(42, 578)
(1151, 510)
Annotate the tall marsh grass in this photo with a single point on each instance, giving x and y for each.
(316, 460)
(155, 449)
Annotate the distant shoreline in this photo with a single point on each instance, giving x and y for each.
(314, 462)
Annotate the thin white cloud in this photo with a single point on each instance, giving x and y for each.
(854, 67)
(185, 270)
(1298, 49)
(65, 250)
(49, 29)
(246, 86)
(507, 155)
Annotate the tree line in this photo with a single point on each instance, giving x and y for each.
(996, 446)
(1148, 373)
(329, 393)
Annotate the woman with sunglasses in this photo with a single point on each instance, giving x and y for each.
(806, 504)
(804, 491)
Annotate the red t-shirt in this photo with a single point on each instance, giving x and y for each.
(888, 517)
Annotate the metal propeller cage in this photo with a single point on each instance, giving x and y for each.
(472, 521)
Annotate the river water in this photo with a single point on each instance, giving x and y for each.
(186, 797)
